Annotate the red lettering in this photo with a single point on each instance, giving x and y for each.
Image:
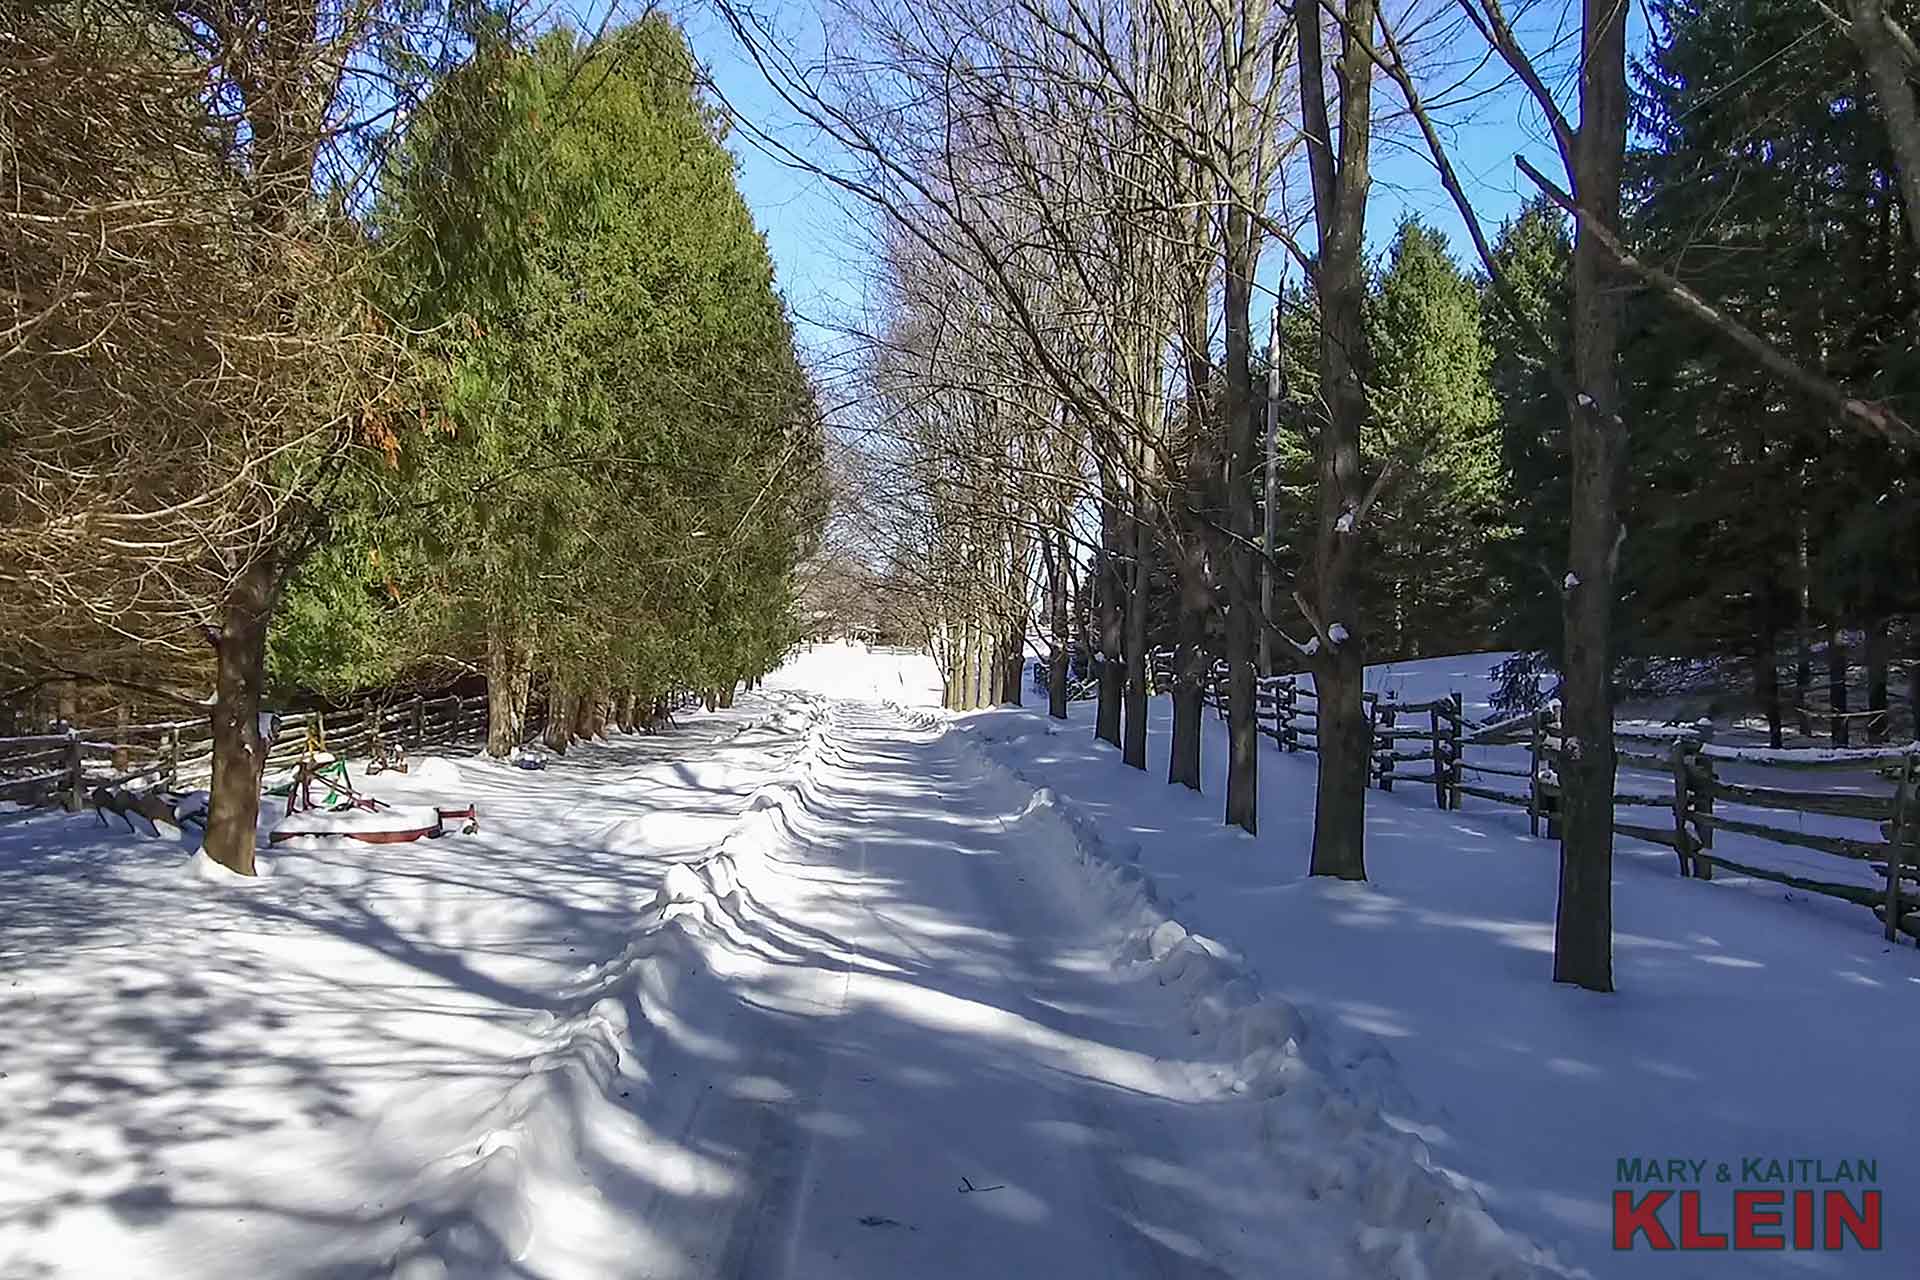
(1691, 1237)
(1803, 1219)
(1630, 1220)
(1752, 1210)
(1864, 1224)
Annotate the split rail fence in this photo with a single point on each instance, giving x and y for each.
(1702, 787)
(178, 754)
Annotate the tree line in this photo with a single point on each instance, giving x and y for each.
(384, 347)
(1662, 410)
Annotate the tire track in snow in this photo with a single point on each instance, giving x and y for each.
(1052, 1147)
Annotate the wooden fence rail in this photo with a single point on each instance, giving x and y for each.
(1427, 743)
(177, 754)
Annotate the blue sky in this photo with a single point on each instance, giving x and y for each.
(813, 231)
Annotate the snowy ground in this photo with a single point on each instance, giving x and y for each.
(308, 1075)
(824, 987)
(1749, 1020)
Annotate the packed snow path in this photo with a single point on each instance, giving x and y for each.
(950, 1081)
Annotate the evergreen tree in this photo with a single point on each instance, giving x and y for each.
(1535, 254)
(1767, 181)
(626, 467)
(1435, 421)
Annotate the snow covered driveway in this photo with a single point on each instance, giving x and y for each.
(795, 990)
(959, 1086)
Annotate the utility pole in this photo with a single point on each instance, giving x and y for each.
(1268, 514)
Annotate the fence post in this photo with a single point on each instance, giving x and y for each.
(1533, 774)
(76, 799)
(1543, 796)
(419, 722)
(1383, 755)
(1550, 794)
(373, 730)
(1703, 798)
(1677, 754)
(1436, 748)
(1456, 727)
(172, 756)
(122, 760)
(1904, 828)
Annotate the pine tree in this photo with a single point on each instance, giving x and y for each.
(1535, 254)
(1768, 182)
(1436, 424)
(626, 465)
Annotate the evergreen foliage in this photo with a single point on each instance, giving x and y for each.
(626, 465)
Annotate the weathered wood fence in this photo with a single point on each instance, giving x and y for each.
(1414, 742)
(1694, 786)
(178, 754)
(1428, 744)
(175, 755)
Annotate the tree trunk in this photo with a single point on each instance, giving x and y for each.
(1190, 662)
(240, 655)
(560, 711)
(1803, 632)
(726, 693)
(1913, 674)
(1766, 669)
(1196, 471)
(1107, 590)
(1583, 925)
(1340, 212)
(1345, 745)
(988, 665)
(1013, 668)
(1243, 464)
(1877, 646)
(509, 672)
(1270, 487)
(1080, 602)
(1061, 653)
(1133, 748)
(1837, 683)
(964, 692)
(1887, 67)
(523, 686)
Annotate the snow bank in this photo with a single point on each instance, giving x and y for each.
(433, 771)
(476, 1210)
(355, 821)
(1807, 755)
(202, 868)
(1328, 1095)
